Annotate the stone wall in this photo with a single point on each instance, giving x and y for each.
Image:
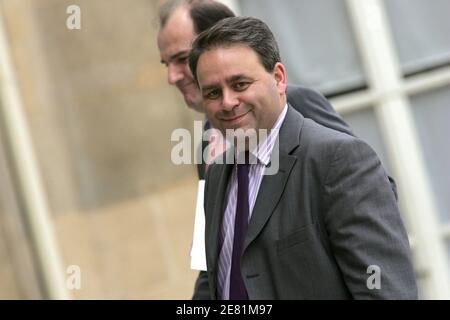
(101, 114)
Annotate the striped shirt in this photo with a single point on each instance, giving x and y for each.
(256, 174)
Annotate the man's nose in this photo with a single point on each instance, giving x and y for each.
(174, 74)
(229, 100)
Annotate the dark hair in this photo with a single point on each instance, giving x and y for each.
(204, 13)
(247, 31)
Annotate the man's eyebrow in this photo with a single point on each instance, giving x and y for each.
(175, 56)
(238, 77)
(208, 87)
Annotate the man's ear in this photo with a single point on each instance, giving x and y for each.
(279, 74)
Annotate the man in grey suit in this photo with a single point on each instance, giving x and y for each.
(326, 225)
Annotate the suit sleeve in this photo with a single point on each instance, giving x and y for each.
(313, 105)
(366, 232)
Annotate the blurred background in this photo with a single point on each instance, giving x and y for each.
(86, 117)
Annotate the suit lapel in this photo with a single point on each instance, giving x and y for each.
(272, 186)
(269, 194)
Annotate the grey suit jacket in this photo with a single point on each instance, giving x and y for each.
(317, 225)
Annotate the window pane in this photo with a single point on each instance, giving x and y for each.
(315, 39)
(432, 114)
(421, 31)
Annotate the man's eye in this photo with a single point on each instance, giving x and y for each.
(182, 60)
(211, 95)
(241, 86)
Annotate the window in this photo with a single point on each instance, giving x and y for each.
(432, 117)
(421, 32)
(315, 39)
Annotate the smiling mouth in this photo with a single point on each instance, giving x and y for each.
(236, 118)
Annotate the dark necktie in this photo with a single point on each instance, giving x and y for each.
(237, 287)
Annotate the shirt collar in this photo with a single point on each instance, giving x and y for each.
(264, 150)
